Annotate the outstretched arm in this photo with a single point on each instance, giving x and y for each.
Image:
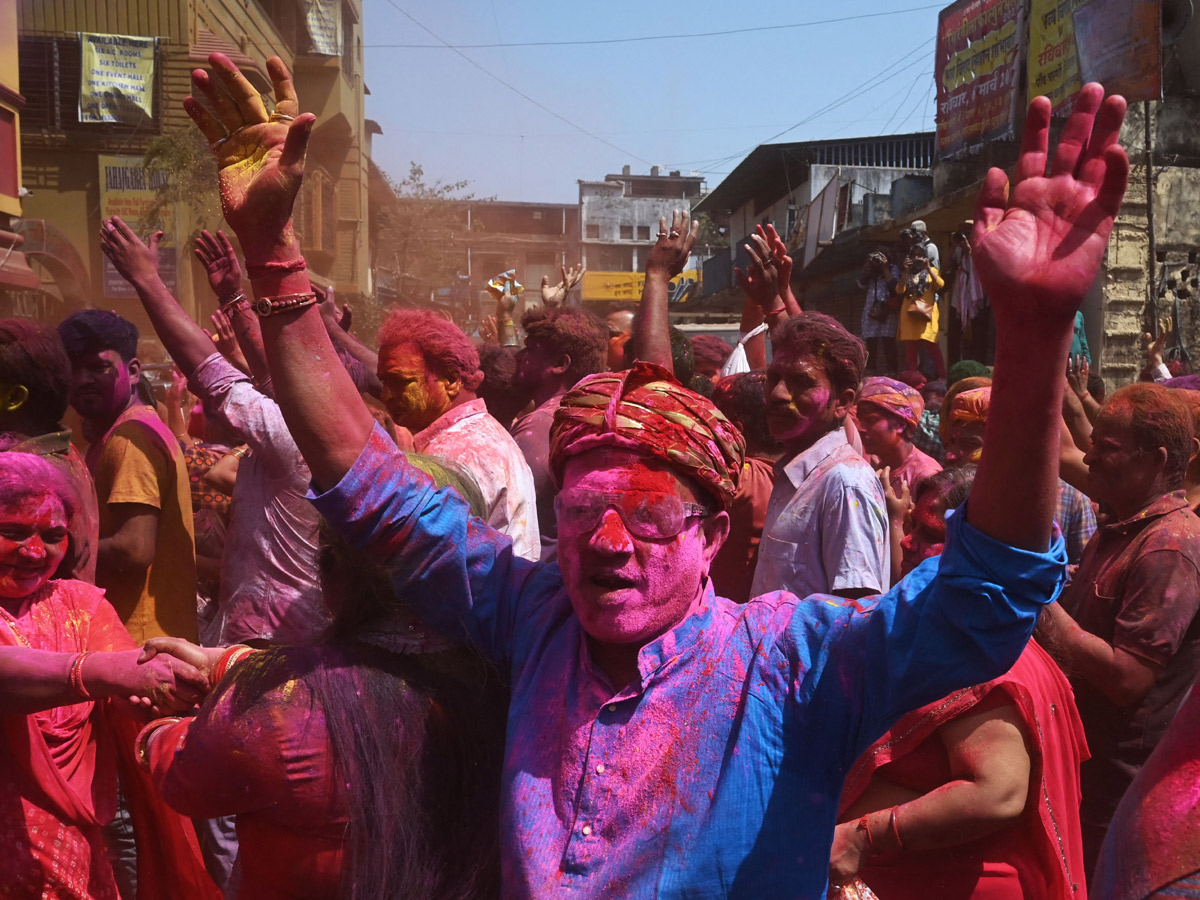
(260, 160)
(137, 262)
(1038, 244)
(666, 259)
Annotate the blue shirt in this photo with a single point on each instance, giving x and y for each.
(717, 772)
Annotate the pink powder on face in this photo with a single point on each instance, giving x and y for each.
(628, 590)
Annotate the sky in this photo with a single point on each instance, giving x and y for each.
(576, 111)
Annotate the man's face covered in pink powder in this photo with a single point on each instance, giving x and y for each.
(635, 544)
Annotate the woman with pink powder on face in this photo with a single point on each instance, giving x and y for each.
(982, 786)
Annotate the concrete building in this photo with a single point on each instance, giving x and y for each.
(812, 192)
(78, 170)
(619, 219)
(448, 264)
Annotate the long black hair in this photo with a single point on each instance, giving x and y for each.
(417, 733)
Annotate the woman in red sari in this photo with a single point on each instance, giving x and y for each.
(65, 658)
(975, 795)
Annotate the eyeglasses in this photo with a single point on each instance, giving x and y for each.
(646, 514)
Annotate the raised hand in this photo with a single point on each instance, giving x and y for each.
(898, 505)
(1038, 249)
(1153, 348)
(260, 157)
(778, 248)
(136, 260)
(1078, 371)
(761, 281)
(220, 260)
(670, 252)
(556, 295)
(225, 339)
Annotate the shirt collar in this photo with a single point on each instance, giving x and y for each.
(800, 466)
(447, 420)
(680, 639)
(1167, 503)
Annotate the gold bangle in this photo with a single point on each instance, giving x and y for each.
(141, 744)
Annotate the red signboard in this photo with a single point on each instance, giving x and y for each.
(977, 70)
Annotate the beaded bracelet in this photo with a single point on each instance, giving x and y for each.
(269, 306)
(75, 675)
(141, 745)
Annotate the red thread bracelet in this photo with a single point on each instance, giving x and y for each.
(864, 825)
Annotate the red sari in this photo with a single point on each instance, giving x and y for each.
(58, 774)
(1040, 856)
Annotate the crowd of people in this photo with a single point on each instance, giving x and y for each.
(590, 609)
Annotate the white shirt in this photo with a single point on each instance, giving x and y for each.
(469, 436)
(826, 529)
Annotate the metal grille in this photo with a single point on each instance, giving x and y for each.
(904, 152)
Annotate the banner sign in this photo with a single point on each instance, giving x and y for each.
(116, 83)
(324, 20)
(1115, 42)
(628, 286)
(978, 53)
(128, 190)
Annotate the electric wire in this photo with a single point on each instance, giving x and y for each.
(654, 37)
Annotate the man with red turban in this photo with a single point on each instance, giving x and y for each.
(664, 742)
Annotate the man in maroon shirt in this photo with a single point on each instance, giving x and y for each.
(1127, 629)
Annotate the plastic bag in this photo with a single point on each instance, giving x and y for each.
(737, 363)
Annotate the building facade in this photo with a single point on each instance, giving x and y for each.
(619, 221)
(78, 168)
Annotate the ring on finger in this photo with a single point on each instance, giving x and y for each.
(282, 117)
(662, 234)
(673, 233)
(215, 145)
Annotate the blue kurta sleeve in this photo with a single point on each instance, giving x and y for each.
(459, 574)
(956, 620)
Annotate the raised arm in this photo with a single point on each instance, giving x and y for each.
(1038, 244)
(666, 259)
(137, 262)
(260, 161)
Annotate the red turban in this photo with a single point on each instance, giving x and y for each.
(644, 409)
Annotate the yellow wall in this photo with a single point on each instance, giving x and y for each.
(64, 178)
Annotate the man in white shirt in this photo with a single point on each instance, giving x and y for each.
(826, 526)
(429, 370)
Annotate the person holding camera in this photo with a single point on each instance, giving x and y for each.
(881, 310)
(918, 286)
(970, 312)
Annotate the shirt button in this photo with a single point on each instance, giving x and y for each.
(586, 829)
(600, 769)
(612, 707)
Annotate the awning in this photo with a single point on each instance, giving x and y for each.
(15, 273)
